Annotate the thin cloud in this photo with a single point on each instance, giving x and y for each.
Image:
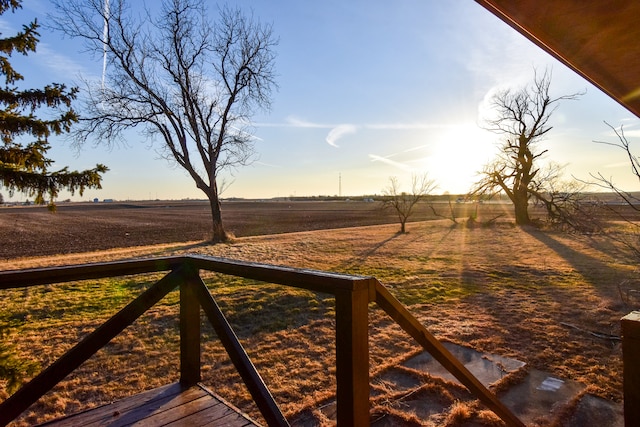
(295, 122)
(419, 147)
(403, 166)
(61, 64)
(246, 133)
(301, 123)
(615, 165)
(6, 27)
(627, 128)
(338, 132)
(269, 165)
(403, 126)
(408, 150)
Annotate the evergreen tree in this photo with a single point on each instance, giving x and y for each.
(24, 165)
(23, 148)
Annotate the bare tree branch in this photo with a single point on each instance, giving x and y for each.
(192, 82)
(403, 203)
(522, 118)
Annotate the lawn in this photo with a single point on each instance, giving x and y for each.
(533, 295)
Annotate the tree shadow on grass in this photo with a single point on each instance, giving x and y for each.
(412, 237)
(364, 255)
(594, 271)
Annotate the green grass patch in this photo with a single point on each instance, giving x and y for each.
(420, 286)
(433, 291)
(256, 307)
(250, 306)
(50, 305)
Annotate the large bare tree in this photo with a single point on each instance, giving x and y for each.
(522, 118)
(188, 80)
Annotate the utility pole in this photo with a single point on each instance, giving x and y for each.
(340, 184)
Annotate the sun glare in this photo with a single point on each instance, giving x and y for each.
(458, 153)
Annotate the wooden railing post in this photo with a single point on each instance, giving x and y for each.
(189, 331)
(352, 356)
(630, 325)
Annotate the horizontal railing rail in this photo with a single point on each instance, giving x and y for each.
(352, 297)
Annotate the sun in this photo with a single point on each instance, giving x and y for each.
(457, 154)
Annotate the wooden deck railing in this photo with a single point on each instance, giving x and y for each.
(352, 297)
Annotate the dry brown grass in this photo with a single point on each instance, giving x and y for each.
(503, 290)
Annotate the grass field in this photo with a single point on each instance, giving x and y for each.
(523, 293)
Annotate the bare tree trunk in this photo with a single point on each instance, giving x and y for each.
(219, 235)
(521, 208)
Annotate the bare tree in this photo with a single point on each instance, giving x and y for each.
(522, 117)
(624, 144)
(631, 235)
(403, 203)
(183, 78)
(567, 205)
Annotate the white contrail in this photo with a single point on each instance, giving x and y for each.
(105, 36)
(403, 166)
(338, 132)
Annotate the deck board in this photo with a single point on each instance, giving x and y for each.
(169, 405)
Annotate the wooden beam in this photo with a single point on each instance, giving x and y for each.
(71, 360)
(252, 379)
(352, 357)
(42, 276)
(313, 280)
(413, 327)
(630, 325)
(189, 331)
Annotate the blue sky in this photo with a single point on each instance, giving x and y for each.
(367, 90)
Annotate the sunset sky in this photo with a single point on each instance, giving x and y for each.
(367, 90)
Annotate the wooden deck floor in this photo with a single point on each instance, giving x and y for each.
(170, 405)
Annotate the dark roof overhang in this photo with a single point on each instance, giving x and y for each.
(600, 40)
